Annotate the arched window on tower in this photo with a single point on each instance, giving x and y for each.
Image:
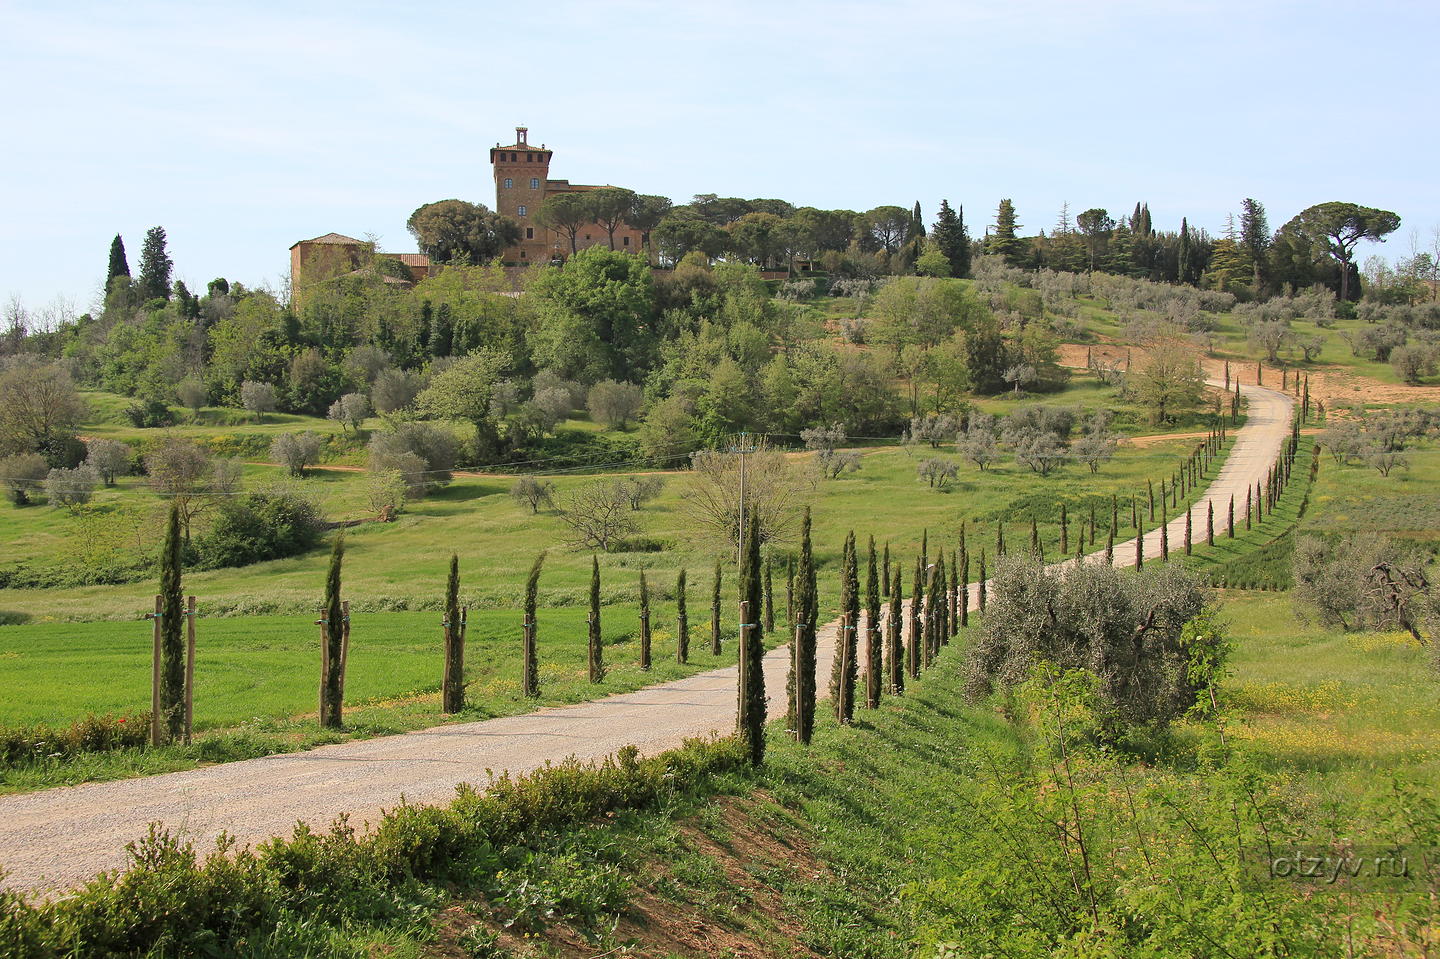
(509, 183)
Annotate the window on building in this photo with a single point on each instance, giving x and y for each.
(509, 183)
(587, 236)
(514, 158)
(627, 242)
(522, 254)
(534, 183)
(529, 233)
(522, 211)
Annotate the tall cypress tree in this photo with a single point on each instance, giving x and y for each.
(155, 266)
(334, 640)
(894, 644)
(844, 668)
(980, 585)
(118, 266)
(790, 592)
(872, 630)
(750, 710)
(932, 603)
(644, 622)
(715, 613)
(682, 622)
(964, 579)
(453, 688)
(172, 645)
(529, 667)
(597, 654)
(885, 573)
(807, 610)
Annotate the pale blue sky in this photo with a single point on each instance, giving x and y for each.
(243, 127)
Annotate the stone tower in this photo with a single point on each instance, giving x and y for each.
(521, 175)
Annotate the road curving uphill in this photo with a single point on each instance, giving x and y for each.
(52, 840)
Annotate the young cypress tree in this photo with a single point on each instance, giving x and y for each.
(682, 622)
(1150, 491)
(980, 585)
(453, 688)
(1000, 537)
(1164, 534)
(1134, 511)
(1092, 523)
(844, 668)
(1140, 550)
(769, 598)
(894, 644)
(807, 610)
(715, 614)
(118, 266)
(644, 622)
(1110, 547)
(885, 574)
(1114, 510)
(964, 580)
(917, 610)
(953, 619)
(1064, 531)
(1210, 523)
(333, 617)
(1034, 539)
(1189, 530)
(172, 645)
(925, 546)
(872, 630)
(1230, 524)
(790, 593)
(597, 654)
(932, 614)
(750, 708)
(529, 666)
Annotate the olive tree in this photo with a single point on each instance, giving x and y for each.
(190, 477)
(295, 451)
(111, 458)
(1128, 630)
(71, 488)
(22, 475)
(257, 398)
(615, 404)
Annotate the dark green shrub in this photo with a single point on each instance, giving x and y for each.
(266, 524)
(150, 414)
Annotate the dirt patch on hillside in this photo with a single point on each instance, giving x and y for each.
(1333, 386)
(739, 914)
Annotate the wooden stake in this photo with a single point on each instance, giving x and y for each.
(189, 669)
(155, 724)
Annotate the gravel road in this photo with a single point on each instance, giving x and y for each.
(54, 839)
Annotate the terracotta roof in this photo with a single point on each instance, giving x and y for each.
(410, 259)
(336, 239)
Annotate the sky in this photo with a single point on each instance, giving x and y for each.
(244, 127)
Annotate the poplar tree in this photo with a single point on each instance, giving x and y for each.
(172, 645)
(715, 614)
(453, 689)
(333, 617)
(872, 630)
(807, 610)
(750, 708)
(844, 668)
(597, 655)
(682, 622)
(644, 622)
(118, 265)
(529, 667)
(894, 644)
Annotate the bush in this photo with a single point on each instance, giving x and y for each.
(71, 489)
(266, 524)
(1127, 630)
(31, 744)
(23, 475)
(150, 414)
(168, 901)
(433, 449)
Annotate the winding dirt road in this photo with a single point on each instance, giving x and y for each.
(54, 839)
